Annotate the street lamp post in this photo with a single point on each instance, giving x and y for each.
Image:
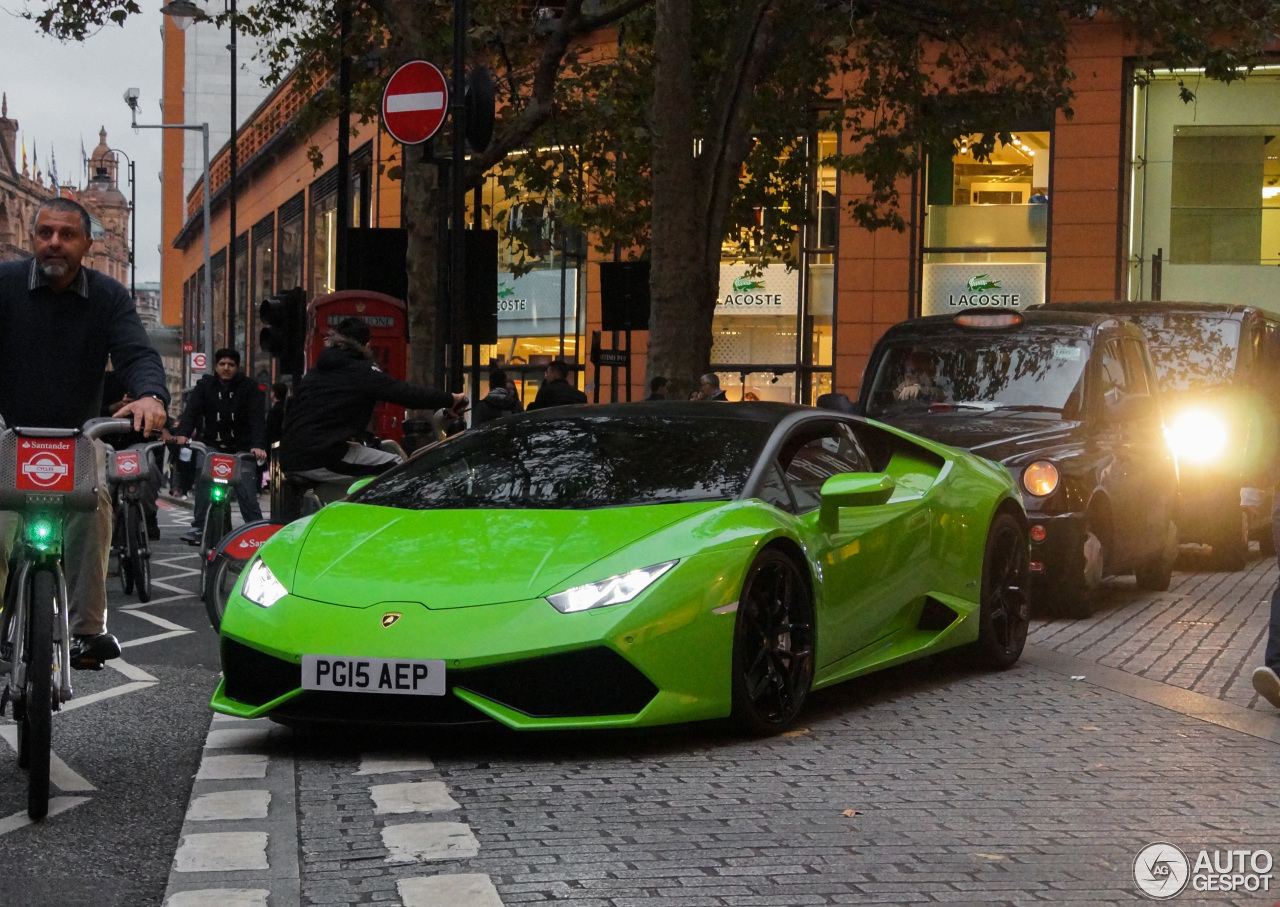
(133, 227)
(183, 13)
(131, 98)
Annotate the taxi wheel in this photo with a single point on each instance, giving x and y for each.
(1232, 543)
(1078, 594)
(1156, 574)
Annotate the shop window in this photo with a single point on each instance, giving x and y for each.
(261, 280)
(242, 295)
(218, 310)
(1218, 189)
(290, 245)
(324, 234)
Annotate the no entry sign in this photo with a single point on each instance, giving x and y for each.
(414, 102)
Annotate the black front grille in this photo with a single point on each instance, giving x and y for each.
(254, 677)
(595, 681)
(377, 708)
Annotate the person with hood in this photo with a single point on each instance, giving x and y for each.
(500, 401)
(225, 411)
(332, 406)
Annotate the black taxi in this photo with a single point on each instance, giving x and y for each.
(1209, 360)
(1068, 403)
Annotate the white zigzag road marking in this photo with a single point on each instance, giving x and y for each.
(133, 672)
(56, 805)
(108, 694)
(158, 621)
(159, 636)
(60, 773)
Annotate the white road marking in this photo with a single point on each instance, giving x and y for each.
(222, 852)
(160, 621)
(225, 768)
(385, 765)
(229, 804)
(56, 805)
(449, 890)
(65, 777)
(131, 671)
(107, 694)
(412, 797)
(159, 636)
(219, 897)
(238, 738)
(424, 842)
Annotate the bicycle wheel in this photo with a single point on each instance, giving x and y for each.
(222, 577)
(119, 550)
(217, 523)
(139, 551)
(36, 728)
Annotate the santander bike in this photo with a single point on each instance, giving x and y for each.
(45, 475)
(222, 472)
(130, 547)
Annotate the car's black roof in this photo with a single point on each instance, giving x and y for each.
(1087, 322)
(1123, 308)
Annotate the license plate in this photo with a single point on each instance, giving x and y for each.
(405, 676)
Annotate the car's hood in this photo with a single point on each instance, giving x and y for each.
(996, 436)
(359, 555)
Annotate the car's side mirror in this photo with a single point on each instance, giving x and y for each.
(1132, 408)
(853, 489)
(358, 484)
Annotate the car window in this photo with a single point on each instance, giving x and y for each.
(1135, 369)
(1191, 351)
(816, 452)
(773, 490)
(1111, 372)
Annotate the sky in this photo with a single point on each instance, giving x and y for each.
(63, 94)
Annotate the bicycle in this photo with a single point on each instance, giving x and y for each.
(47, 472)
(130, 546)
(223, 472)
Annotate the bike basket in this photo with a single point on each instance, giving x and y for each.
(125, 465)
(222, 468)
(36, 470)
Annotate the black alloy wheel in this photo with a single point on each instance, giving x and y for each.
(36, 728)
(773, 645)
(1006, 609)
(1155, 574)
(139, 552)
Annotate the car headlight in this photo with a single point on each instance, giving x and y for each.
(261, 586)
(1040, 478)
(1198, 436)
(615, 590)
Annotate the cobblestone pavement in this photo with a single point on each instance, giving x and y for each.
(927, 783)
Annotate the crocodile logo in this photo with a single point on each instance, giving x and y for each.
(980, 283)
(746, 283)
(505, 290)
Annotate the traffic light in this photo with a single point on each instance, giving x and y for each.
(284, 329)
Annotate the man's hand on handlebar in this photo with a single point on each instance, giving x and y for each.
(148, 414)
(258, 454)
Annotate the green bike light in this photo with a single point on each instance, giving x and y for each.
(218, 492)
(42, 532)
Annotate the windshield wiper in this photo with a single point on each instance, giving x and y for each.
(1029, 408)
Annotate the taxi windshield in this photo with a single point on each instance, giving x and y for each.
(1191, 352)
(979, 371)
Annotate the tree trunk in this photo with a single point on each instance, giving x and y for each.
(418, 204)
(682, 302)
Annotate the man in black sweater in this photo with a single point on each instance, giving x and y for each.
(556, 389)
(60, 323)
(225, 411)
(333, 403)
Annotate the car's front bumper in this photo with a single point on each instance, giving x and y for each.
(1057, 559)
(663, 658)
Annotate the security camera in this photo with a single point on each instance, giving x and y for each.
(131, 97)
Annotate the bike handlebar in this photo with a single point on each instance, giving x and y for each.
(200, 447)
(96, 428)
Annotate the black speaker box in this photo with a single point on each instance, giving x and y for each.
(624, 295)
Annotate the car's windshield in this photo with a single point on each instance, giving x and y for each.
(980, 371)
(1191, 352)
(578, 462)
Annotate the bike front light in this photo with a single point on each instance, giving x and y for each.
(218, 492)
(1198, 436)
(616, 590)
(261, 586)
(42, 533)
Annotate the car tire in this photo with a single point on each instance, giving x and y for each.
(1077, 595)
(1155, 574)
(1266, 541)
(1005, 610)
(773, 646)
(1231, 545)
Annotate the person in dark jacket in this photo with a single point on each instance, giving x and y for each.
(709, 387)
(500, 401)
(333, 403)
(225, 412)
(556, 389)
(657, 388)
(60, 323)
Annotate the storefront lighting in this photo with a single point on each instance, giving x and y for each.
(1270, 191)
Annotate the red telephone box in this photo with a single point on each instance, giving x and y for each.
(388, 338)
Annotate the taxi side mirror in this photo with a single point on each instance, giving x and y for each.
(853, 489)
(1132, 408)
(358, 484)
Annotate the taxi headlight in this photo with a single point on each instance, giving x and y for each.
(615, 590)
(1040, 479)
(261, 586)
(1198, 436)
